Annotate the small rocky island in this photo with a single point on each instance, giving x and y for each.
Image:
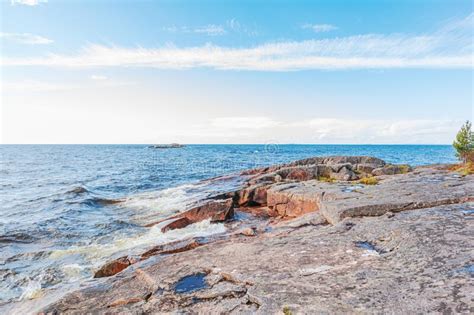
(167, 146)
(342, 234)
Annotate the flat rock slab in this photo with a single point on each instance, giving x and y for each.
(416, 261)
(422, 188)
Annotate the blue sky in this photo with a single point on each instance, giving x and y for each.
(235, 72)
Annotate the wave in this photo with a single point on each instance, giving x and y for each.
(20, 237)
(78, 190)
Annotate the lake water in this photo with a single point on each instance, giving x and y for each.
(66, 209)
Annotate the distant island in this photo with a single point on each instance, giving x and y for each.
(167, 146)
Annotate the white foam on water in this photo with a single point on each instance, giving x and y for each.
(97, 254)
(32, 290)
(153, 206)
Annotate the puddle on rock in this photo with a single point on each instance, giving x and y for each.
(468, 269)
(467, 212)
(368, 246)
(352, 188)
(191, 283)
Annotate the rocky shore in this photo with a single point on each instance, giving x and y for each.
(321, 235)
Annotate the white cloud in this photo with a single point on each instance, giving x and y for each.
(450, 47)
(210, 30)
(235, 26)
(319, 28)
(28, 2)
(26, 38)
(382, 131)
(98, 77)
(320, 130)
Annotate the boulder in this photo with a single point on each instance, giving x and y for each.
(288, 202)
(366, 168)
(299, 173)
(254, 195)
(391, 170)
(344, 174)
(114, 267)
(216, 210)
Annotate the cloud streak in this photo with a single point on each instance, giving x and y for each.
(319, 28)
(209, 30)
(30, 3)
(450, 47)
(321, 130)
(26, 38)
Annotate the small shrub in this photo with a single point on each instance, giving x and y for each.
(326, 179)
(464, 143)
(287, 311)
(404, 168)
(369, 181)
(465, 169)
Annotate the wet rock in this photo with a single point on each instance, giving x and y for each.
(173, 248)
(114, 267)
(216, 210)
(178, 223)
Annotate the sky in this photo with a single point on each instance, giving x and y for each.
(315, 72)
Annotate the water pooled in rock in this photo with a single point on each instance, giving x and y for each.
(191, 283)
(368, 246)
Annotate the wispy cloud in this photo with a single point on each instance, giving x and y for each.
(26, 38)
(210, 30)
(449, 47)
(321, 130)
(235, 26)
(27, 2)
(319, 28)
(98, 77)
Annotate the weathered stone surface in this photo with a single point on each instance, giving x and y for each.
(425, 188)
(418, 261)
(322, 247)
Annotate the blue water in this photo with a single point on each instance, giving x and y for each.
(59, 219)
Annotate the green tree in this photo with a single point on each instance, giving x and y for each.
(464, 142)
